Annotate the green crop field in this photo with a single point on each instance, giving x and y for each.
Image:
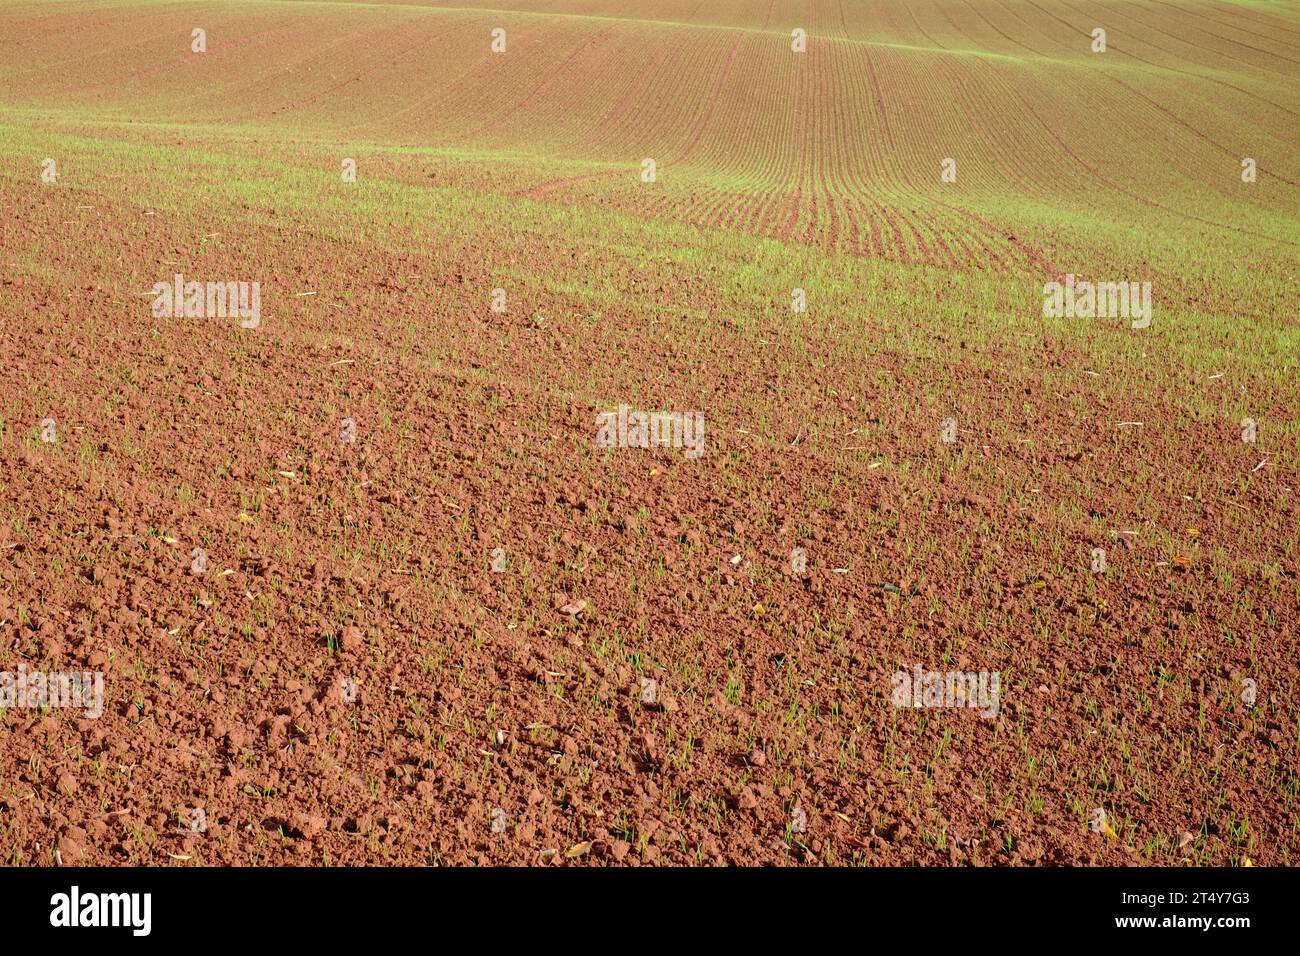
(989, 309)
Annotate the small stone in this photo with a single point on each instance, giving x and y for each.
(649, 691)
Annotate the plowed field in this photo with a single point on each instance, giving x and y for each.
(366, 577)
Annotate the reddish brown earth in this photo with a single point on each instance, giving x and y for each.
(350, 682)
(372, 561)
